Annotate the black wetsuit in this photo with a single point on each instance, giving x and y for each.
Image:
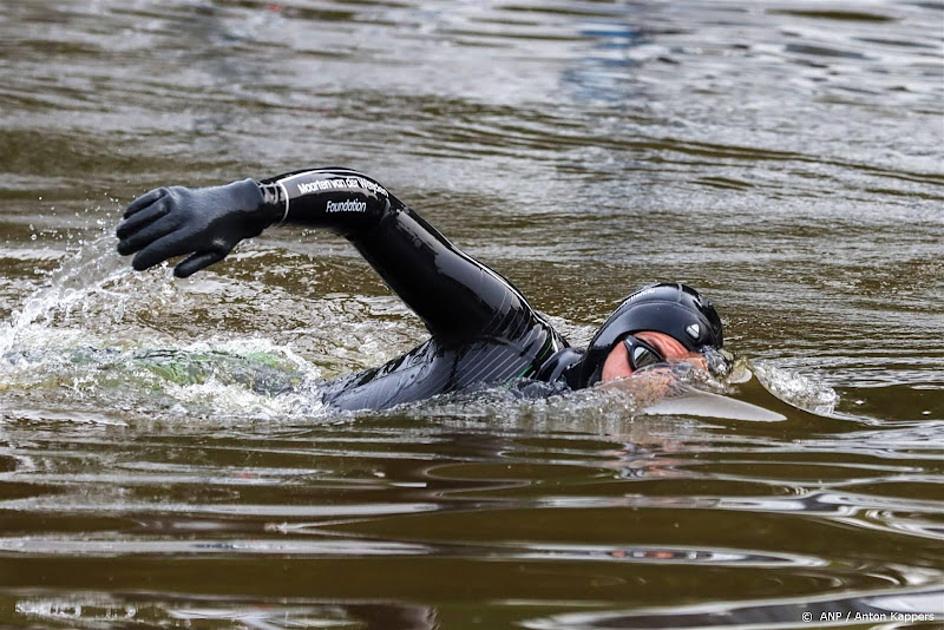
(484, 332)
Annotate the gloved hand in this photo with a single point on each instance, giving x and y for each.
(203, 222)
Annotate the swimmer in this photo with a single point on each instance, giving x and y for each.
(483, 331)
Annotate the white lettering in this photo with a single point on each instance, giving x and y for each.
(321, 185)
(349, 205)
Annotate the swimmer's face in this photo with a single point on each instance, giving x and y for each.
(617, 362)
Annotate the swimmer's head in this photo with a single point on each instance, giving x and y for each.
(670, 320)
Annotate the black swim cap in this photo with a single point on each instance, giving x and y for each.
(668, 307)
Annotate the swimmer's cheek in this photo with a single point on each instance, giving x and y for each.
(698, 360)
(650, 384)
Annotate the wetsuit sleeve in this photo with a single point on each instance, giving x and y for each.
(456, 296)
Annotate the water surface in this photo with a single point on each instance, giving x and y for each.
(161, 463)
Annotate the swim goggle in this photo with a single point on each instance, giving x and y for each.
(641, 354)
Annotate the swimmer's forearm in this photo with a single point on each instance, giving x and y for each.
(206, 223)
(342, 200)
(455, 295)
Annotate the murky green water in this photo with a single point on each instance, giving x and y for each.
(161, 464)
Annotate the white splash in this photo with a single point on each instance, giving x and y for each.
(91, 337)
(87, 271)
(796, 389)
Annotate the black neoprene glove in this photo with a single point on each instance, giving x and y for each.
(205, 223)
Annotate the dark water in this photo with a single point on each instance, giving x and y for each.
(785, 157)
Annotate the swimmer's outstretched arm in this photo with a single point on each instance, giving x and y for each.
(456, 296)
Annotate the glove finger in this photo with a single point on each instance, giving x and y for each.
(137, 221)
(148, 234)
(144, 201)
(198, 261)
(173, 244)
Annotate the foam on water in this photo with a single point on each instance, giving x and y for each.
(796, 389)
(80, 276)
(80, 340)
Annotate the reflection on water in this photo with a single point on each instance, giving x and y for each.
(163, 457)
(912, 607)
